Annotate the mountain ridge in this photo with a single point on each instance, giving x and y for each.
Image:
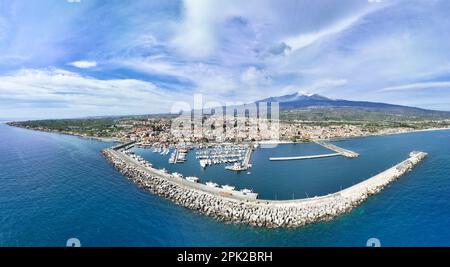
(304, 100)
(301, 105)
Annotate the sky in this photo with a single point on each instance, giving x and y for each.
(75, 58)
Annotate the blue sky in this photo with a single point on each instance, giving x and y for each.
(70, 58)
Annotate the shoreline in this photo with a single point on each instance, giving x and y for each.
(263, 144)
(283, 142)
(257, 212)
(102, 139)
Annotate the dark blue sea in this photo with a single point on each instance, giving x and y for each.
(55, 187)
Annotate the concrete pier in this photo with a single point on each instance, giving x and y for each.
(344, 152)
(231, 207)
(339, 152)
(305, 157)
(248, 155)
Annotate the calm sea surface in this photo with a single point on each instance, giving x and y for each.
(55, 187)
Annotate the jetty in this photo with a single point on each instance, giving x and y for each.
(344, 152)
(339, 152)
(305, 157)
(248, 155)
(230, 205)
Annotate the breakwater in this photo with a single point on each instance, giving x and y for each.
(304, 157)
(263, 213)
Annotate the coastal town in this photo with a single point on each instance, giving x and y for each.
(160, 132)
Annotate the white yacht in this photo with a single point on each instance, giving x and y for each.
(246, 191)
(228, 187)
(177, 174)
(211, 184)
(192, 179)
(203, 163)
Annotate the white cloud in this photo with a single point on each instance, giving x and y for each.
(195, 35)
(83, 64)
(157, 66)
(206, 78)
(417, 86)
(235, 35)
(247, 49)
(48, 88)
(254, 77)
(308, 38)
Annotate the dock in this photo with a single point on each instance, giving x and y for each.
(305, 157)
(248, 155)
(339, 152)
(344, 152)
(245, 165)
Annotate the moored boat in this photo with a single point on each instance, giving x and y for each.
(228, 187)
(211, 184)
(192, 179)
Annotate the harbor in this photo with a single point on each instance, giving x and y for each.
(281, 180)
(226, 204)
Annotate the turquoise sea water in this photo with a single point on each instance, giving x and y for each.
(55, 187)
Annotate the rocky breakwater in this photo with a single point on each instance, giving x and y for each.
(262, 213)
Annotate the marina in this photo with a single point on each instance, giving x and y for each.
(294, 178)
(239, 155)
(225, 203)
(228, 190)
